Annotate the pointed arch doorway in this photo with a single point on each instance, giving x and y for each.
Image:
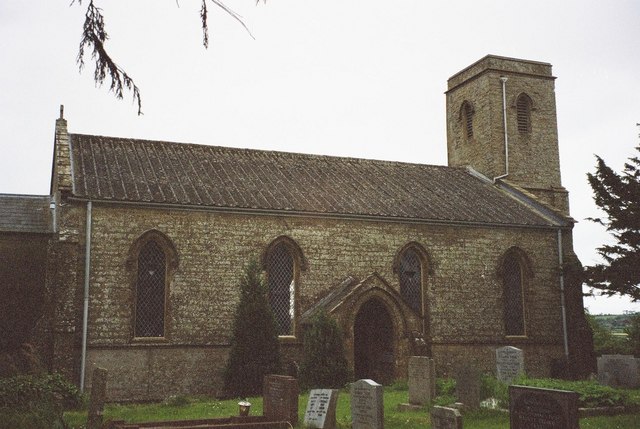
(374, 353)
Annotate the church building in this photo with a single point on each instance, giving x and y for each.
(146, 242)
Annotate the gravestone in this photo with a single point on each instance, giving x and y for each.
(509, 363)
(97, 398)
(422, 380)
(468, 386)
(618, 371)
(445, 418)
(367, 405)
(321, 409)
(280, 398)
(532, 407)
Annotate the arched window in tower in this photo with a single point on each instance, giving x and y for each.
(150, 291)
(523, 113)
(466, 116)
(410, 273)
(513, 294)
(281, 274)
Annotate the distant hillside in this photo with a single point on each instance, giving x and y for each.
(614, 323)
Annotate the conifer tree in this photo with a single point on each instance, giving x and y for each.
(619, 196)
(324, 364)
(255, 350)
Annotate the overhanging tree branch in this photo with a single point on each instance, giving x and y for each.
(94, 37)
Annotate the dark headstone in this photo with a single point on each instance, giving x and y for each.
(509, 363)
(531, 407)
(280, 398)
(97, 398)
(367, 410)
(468, 386)
(445, 418)
(321, 409)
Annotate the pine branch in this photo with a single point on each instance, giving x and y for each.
(93, 37)
(205, 27)
(618, 195)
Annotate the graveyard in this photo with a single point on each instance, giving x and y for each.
(193, 408)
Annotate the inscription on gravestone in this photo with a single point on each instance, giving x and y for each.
(422, 380)
(367, 405)
(445, 418)
(509, 363)
(531, 407)
(280, 395)
(321, 409)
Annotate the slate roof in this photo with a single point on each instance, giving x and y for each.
(25, 213)
(128, 170)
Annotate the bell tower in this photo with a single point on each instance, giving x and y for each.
(501, 120)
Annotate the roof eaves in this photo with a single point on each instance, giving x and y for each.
(333, 214)
(552, 216)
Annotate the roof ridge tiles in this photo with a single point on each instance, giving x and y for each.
(265, 152)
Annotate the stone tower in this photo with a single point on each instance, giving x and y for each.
(498, 91)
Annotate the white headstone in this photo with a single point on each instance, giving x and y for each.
(321, 409)
(509, 363)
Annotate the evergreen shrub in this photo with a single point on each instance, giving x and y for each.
(324, 365)
(255, 350)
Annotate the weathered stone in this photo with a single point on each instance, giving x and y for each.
(280, 398)
(367, 410)
(445, 418)
(619, 371)
(97, 398)
(421, 380)
(531, 407)
(468, 386)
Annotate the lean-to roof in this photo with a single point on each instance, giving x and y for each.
(25, 213)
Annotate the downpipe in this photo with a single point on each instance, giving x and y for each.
(562, 296)
(85, 306)
(504, 124)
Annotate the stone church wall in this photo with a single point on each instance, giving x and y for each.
(463, 289)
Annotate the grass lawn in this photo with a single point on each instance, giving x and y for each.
(209, 408)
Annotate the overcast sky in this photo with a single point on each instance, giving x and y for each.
(361, 79)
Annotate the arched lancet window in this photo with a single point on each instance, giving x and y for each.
(410, 273)
(283, 261)
(466, 116)
(152, 261)
(514, 272)
(150, 291)
(411, 264)
(523, 113)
